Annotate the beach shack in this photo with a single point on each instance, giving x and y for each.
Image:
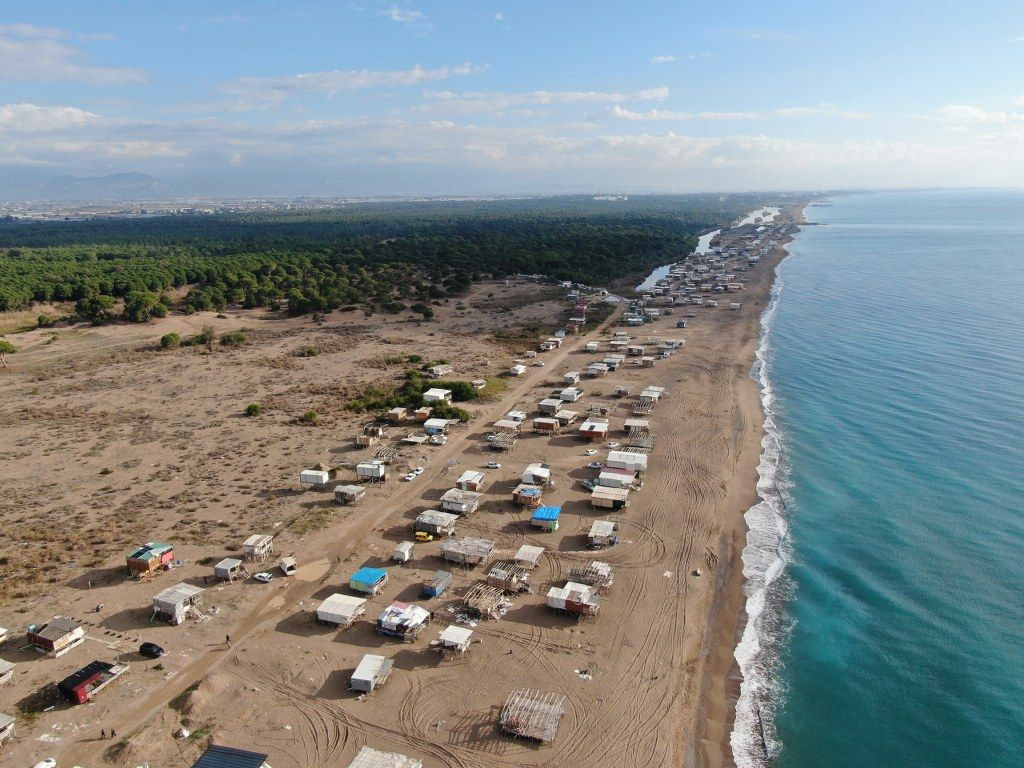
(570, 394)
(228, 569)
(372, 434)
(517, 370)
(217, 756)
(435, 523)
(482, 601)
(460, 502)
(592, 346)
(527, 495)
(437, 395)
(288, 566)
(596, 574)
(470, 480)
(339, 610)
(570, 378)
(509, 577)
(636, 462)
(516, 415)
(604, 497)
(404, 621)
(374, 758)
(537, 473)
(374, 471)
(398, 414)
(439, 371)
(597, 369)
(437, 584)
(422, 413)
(402, 553)
(454, 641)
(6, 671)
(546, 518)
(594, 429)
(55, 637)
(602, 534)
(372, 672)
(638, 426)
(532, 715)
(528, 556)
(436, 426)
(258, 547)
(6, 727)
(348, 494)
(147, 560)
(615, 477)
(83, 685)
(573, 598)
(566, 417)
(507, 425)
(174, 603)
(314, 478)
(467, 551)
(546, 424)
(368, 580)
(549, 406)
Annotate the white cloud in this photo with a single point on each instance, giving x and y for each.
(247, 93)
(965, 114)
(668, 59)
(819, 110)
(32, 53)
(448, 101)
(499, 16)
(403, 15)
(33, 117)
(1018, 39)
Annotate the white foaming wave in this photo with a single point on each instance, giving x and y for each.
(764, 558)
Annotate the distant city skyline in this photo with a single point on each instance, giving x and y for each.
(487, 97)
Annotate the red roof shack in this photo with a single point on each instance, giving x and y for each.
(84, 684)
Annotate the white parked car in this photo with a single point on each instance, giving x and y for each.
(418, 471)
(595, 465)
(613, 446)
(263, 576)
(46, 762)
(539, 363)
(409, 478)
(492, 465)
(590, 452)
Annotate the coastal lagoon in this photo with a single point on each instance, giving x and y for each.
(885, 585)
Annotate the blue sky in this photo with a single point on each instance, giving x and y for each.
(507, 96)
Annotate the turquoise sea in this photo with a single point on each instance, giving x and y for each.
(885, 563)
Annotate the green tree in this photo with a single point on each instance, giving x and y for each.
(170, 340)
(6, 348)
(96, 309)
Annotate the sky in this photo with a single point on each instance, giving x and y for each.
(319, 97)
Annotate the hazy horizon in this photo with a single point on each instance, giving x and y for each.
(320, 98)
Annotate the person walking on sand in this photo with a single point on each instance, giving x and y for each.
(227, 640)
(113, 733)
(103, 733)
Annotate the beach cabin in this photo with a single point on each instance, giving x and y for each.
(372, 434)
(435, 523)
(515, 415)
(594, 429)
(147, 560)
(605, 497)
(592, 346)
(437, 584)
(174, 603)
(467, 551)
(616, 477)
(372, 672)
(470, 480)
(460, 502)
(566, 417)
(6, 727)
(339, 610)
(537, 474)
(595, 370)
(532, 715)
(6, 671)
(546, 518)
(509, 577)
(258, 547)
(437, 395)
(288, 566)
(56, 637)
(422, 413)
(454, 641)
(527, 495)
(596, 574)
(373, 471)
(83, 685)
(547, 424)
(398, 414)
(735, 305)
(374, 758)
(517, 370)
(368, 581)
(614, 362)
(570, 394)
(636, 462)
(508, 426)
(570, 378)
(680, 323)
(436, 426)
(228, 569)
(549, 406)
(528, 556)
(573, 598)
(635, 350)
(404, 621)
(228, 757)
(440, 370)
(349, 494)
(482, 601)
(402, 553)
(314, 478)
(602, 534)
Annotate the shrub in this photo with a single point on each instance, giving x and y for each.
(232, 339)
(253, 409)
(45, 321)
(170, 340)
(310, 417)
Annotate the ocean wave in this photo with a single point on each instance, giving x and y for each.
(765, 556)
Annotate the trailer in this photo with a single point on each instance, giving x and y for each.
(467, 551)
(402, 552)
(454, 641)
(86, 683)
(437, 584)
(404, 621)
(348, 494)
(56, 637)
(340, 610)
(369, 581)
(372, 672)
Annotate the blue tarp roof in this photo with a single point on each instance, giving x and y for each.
(529, 492)
(547, 513)
(369, 575)
(229, 757)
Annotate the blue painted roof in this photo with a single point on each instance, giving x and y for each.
(529, 492)
(229, 757)
(547, 513)
(369, 575)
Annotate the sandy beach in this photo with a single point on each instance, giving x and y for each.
(145, 445)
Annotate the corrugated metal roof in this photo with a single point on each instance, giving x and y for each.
(229, 757)
(369, 575)
(547, 513)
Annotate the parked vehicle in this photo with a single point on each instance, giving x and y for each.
(492, 465)
(424, 536)
(151, 650)
(264, 577)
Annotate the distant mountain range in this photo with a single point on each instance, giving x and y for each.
(24, 184)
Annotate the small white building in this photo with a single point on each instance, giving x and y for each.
(436, 426)
(6, 727)
(437, 371)
(314, 478)
(258, 547)
(371, 673)
(436, 395)
(374, 758)
(572, 377)
(550, 405)
(570, 394)
(528, 556)
(374, 471)
(516, 415)
(228, 569)
(592, 346)
(349, 494)
(455, 640)
(517, 370)
(628, 460)
(470, 480)
(537, 474)
(460, 502)
(173, 604)
(340, 610)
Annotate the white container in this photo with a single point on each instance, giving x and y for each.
(403, 552)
